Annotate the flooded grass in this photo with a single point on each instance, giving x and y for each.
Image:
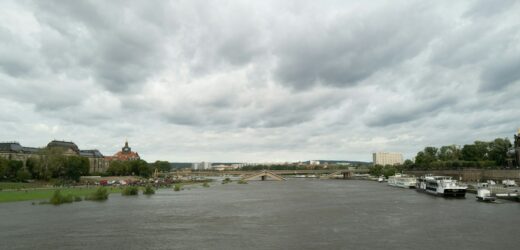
(44, 194)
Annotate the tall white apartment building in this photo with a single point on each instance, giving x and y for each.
(387, 158)
(201, 165)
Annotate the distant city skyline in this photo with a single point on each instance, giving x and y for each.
(256, 81)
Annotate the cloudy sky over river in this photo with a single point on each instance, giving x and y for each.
(259, 80)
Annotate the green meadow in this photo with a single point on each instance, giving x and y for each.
(45, 194)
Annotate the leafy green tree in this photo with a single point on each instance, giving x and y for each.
(427, 156)
(470, 153)
(13, 167)
(118, 168)
(498, 151)
(75, 167)
(3, 168)
(22, 175)
(162, 166)
(449, 153)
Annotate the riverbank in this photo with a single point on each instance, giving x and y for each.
(15, 191)
(46, 193)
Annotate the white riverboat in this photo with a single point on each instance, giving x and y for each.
(401, 180)
(509, 183)
(484, 194)
(441, 186)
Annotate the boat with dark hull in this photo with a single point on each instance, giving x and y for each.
(441, 186)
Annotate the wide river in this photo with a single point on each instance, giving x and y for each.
(295, 214)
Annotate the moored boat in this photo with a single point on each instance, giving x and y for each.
(441, 186)
(484, 194)
(401, 180)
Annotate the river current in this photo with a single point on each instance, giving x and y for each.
(294, 214)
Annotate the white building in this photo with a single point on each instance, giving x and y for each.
(201, 165)
(387, 158)
(314, 162)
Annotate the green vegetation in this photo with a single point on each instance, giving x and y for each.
(226, 181)
(100, 194)
(148, 190)
(49, 163)
(177, 187)
(44, 194)
(241, 181)
(480, 154)
(58, 199)
(379, 170)
(136, 167)
(21, 185)
(205, 184)
(130, 190)
(162, 166)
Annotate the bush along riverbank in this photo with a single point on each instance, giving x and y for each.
(148, 190)
(130, 190)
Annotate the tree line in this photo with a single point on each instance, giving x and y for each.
(49, 163)
(136, 167)
(480, 154)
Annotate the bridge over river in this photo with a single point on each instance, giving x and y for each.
(346, 173)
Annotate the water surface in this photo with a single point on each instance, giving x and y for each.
(295, 214)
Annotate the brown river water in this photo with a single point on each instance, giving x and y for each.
(294, 214)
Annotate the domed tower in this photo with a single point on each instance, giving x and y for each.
(126, 154)
(126, 148)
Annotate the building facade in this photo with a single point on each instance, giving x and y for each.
(14, 151)
(126, 154)
(387, 158)
(201, 165)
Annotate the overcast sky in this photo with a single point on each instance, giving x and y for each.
(259, 80)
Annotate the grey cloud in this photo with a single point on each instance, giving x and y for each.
(407, 112)
(116, 45)
(345, 50)
(257, 80)
(483, 8)
(502, 74)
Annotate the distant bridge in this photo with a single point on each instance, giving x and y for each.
(347, 173)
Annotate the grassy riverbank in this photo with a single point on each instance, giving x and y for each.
(45, 194)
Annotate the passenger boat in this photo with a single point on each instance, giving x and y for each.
(484, 194)
(401, 180)
(441, 186)
(509, 183)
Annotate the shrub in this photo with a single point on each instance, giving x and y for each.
(226, 181)
(242, 182)
(177, 187)
(57, 198)
(148, 190)
(130, 190)
(77, 198)
(205, 184)
(100, 194)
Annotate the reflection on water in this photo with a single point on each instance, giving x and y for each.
(295, 214)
